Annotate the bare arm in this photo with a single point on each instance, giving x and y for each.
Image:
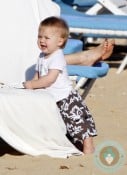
(35, 76)
(44, 81)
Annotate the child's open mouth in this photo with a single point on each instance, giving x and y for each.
(43, 46)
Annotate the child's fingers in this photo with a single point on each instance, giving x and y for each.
(1, 83)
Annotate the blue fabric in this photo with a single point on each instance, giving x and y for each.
(72, 46)
(80, 2)
(98, 70)
(66, 9)
(106, 21)
(98, 22)
(70, 2)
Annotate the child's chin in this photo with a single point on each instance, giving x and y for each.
(45, 52)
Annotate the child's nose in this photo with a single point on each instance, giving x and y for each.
(42, 39)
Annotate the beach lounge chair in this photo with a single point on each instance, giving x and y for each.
(117, 7)
(84, 76)
(73, 45)
(80, 4)
(91, 25)
(105, 25)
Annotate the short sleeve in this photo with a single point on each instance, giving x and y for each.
(37, 66)
(57, 61)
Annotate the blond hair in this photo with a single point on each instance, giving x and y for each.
(57, 23)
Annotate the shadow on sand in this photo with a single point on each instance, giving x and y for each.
(7, 149)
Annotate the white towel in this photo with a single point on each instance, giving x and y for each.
(31, 123)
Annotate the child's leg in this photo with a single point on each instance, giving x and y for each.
(88, 146)
(78, 120)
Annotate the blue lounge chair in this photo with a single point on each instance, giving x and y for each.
(73, 45)
(105, 25)
(85, 76)
(80, 4)
(117, 7)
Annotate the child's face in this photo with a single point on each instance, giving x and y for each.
(49, 39)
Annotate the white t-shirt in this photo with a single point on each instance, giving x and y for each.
(61, 88)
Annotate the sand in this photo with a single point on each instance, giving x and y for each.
(107, 101)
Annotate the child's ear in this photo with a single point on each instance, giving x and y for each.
(61, 41)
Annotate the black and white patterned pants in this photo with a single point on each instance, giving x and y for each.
(77, 118)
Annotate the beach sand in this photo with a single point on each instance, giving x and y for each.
(107, 101)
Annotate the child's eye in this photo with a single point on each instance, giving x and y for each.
(39, 36)
(47, 37)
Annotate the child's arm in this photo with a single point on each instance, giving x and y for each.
(35, 76)
(44, 81)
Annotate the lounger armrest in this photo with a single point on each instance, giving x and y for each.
(98, 70)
